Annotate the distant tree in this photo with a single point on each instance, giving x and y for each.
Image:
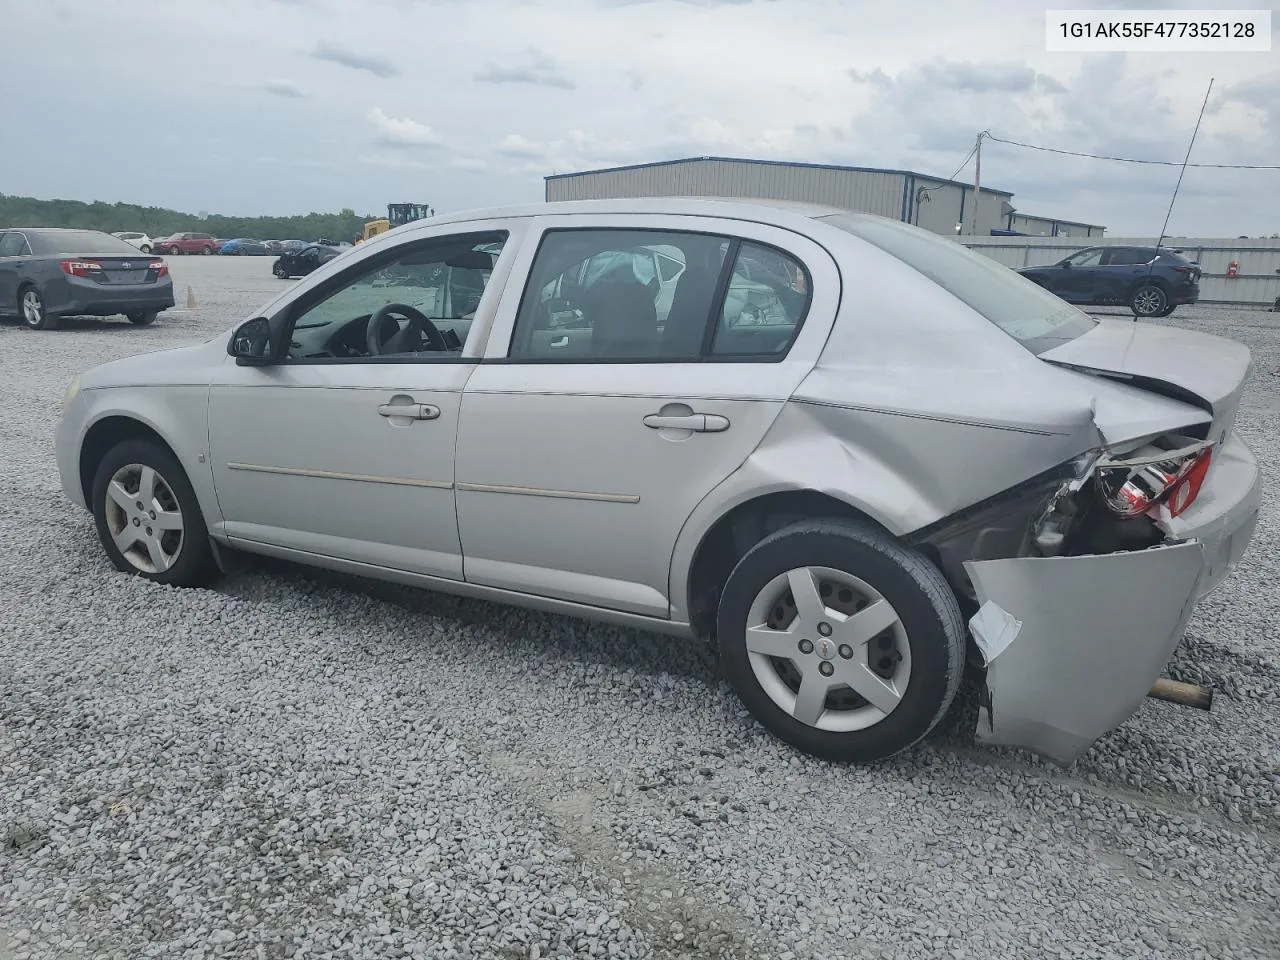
(159, 221)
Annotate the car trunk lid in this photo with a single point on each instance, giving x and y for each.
(127, 270)
(1197, 368)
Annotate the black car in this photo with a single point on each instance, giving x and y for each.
(48, 273)
(1148, 281)
(300, 262)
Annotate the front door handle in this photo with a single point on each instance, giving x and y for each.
(410, 411)
(697, 422)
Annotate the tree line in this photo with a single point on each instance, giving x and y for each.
(160, 222)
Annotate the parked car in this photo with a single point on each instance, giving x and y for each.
(915, 439)
(302, 260)
(1151, 282)
(180, 243)
(290, 246)
(48, 273)
(244, 247)
(139, 240)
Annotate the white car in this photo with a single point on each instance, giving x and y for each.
(139, 240)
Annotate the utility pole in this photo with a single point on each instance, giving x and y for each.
(977, 180)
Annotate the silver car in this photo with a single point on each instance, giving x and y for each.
(905, 458)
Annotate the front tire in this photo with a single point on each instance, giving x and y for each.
(143, 318)
(278, 269)
(840, 641)
(32, 310)
(145, 248)
(148, 518)
(175, 251)
(206, 251)
(1148, 300)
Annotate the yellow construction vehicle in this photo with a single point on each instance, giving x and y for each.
(398, 214)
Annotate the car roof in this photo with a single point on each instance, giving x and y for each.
(760, 210)
(44, 231)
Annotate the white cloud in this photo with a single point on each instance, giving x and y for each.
(532, 67)
(402, 132)
(516, 145)
(370, 63)
(469, 164)
(282, 88)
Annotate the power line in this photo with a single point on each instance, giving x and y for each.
(1159, 163)
(1182, 172)
(963, 163)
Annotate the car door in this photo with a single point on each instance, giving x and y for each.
(1077, 282)
(1121, 268)
(16, 266)
(597, 423)
(9, 243)
(343, 447)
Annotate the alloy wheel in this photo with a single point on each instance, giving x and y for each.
(144, 518)
(32, 308)
(1148, 301)
(828, 649)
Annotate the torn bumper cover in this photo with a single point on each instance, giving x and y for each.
(1073, 644)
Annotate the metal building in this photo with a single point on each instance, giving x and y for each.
(1028, 225)
(934, 203)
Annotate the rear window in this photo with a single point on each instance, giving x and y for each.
(83, 243)
(1037, 319)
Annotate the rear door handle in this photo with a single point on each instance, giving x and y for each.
(411, 411)
(697, 422)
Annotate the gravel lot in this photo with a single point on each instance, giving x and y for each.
(298, 764)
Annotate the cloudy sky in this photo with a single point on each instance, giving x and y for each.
(286, 106)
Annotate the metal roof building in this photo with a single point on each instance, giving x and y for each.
(934, 203)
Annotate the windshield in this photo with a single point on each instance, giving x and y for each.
(1033, 316)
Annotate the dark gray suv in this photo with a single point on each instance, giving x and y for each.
(1150, 282)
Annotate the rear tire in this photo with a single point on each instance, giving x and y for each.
(143, 318)
(899, 641)
(1168, 310)
(1147, 300)
(32, 310)
(139, 471)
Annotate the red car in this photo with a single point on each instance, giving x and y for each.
(179, 243)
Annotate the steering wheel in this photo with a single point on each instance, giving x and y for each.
(384, 332)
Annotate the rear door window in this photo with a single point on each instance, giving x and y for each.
(11, 244)
(765, 304)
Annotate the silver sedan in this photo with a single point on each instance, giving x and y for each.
(852, 454)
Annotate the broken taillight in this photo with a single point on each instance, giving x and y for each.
(1173, 478)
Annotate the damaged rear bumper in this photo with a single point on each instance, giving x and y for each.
(1073, 644)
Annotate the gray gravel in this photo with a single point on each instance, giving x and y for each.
(299, 764)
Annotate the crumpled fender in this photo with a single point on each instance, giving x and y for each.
(1074, 644)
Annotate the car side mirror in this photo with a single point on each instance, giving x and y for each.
(1065, 264)
(251, 343)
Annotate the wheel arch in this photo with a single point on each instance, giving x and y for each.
(113, 426)
(1150, 280)
(744, 524)
(107, 433)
